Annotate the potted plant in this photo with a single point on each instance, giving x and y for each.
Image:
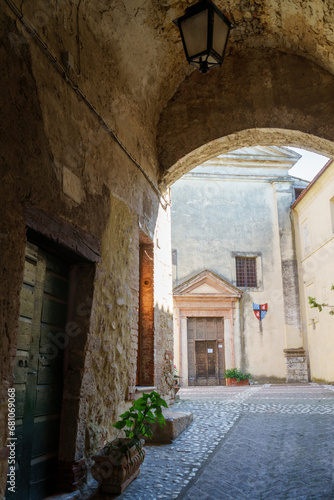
(176, 381)
(234, 376)
(119, 462)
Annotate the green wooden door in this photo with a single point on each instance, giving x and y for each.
(38, 373)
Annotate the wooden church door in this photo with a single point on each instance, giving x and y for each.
(206, 356)
(206, 362)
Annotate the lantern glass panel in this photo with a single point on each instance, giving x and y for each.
(220, 34)
(195, 33)
(211, 60)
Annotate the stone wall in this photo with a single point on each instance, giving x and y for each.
(163, 305)
(79, 141)
(57, 156)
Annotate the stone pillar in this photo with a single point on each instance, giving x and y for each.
(296, 365)
(284, 198)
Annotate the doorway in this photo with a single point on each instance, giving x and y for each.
(206, 362)
(206, 357)
(38, 373)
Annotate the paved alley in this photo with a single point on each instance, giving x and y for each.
(255, 442)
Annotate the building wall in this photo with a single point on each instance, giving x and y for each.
(214, 219)
(58, 157)
(313, 218)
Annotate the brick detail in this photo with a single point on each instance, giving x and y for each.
(146, 316)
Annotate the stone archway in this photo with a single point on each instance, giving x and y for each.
(248, 138)
(258, 97)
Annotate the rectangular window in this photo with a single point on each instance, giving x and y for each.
(246, 272)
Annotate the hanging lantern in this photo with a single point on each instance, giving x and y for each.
(204, 31)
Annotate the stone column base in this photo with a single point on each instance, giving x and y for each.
(71, 474)
(296, 365)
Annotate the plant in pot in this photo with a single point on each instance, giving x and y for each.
(234, 376)
(176, 380)
(119, 462)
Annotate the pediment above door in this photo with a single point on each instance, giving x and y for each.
(207, 283)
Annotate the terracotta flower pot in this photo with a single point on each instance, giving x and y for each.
(116, 470)
(233, 381)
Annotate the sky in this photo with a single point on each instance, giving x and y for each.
(308, 166)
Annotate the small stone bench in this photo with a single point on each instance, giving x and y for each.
(176, 423)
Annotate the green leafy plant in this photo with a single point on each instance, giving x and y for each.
(145, 411)
(313, 303)
(236, 373)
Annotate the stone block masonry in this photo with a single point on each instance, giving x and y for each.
(296, 365)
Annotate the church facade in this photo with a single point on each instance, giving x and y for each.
(236, 296)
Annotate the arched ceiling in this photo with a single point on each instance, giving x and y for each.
(143, 45)
(254, 90)
(129, 61)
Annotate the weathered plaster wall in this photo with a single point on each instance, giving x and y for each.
(107, 360)
(314, 226)
(256, 89)
(284, 196)
(56, 155)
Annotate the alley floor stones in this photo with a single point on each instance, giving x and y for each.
(266, 442)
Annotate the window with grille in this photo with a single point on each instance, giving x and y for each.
(246, 271)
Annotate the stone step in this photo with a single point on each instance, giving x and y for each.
(176, 423)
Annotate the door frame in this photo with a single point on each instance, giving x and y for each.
(38, 354)
(220, 300)
(83, 250)
(182, 330)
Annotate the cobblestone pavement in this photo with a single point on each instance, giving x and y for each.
(267, 442)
